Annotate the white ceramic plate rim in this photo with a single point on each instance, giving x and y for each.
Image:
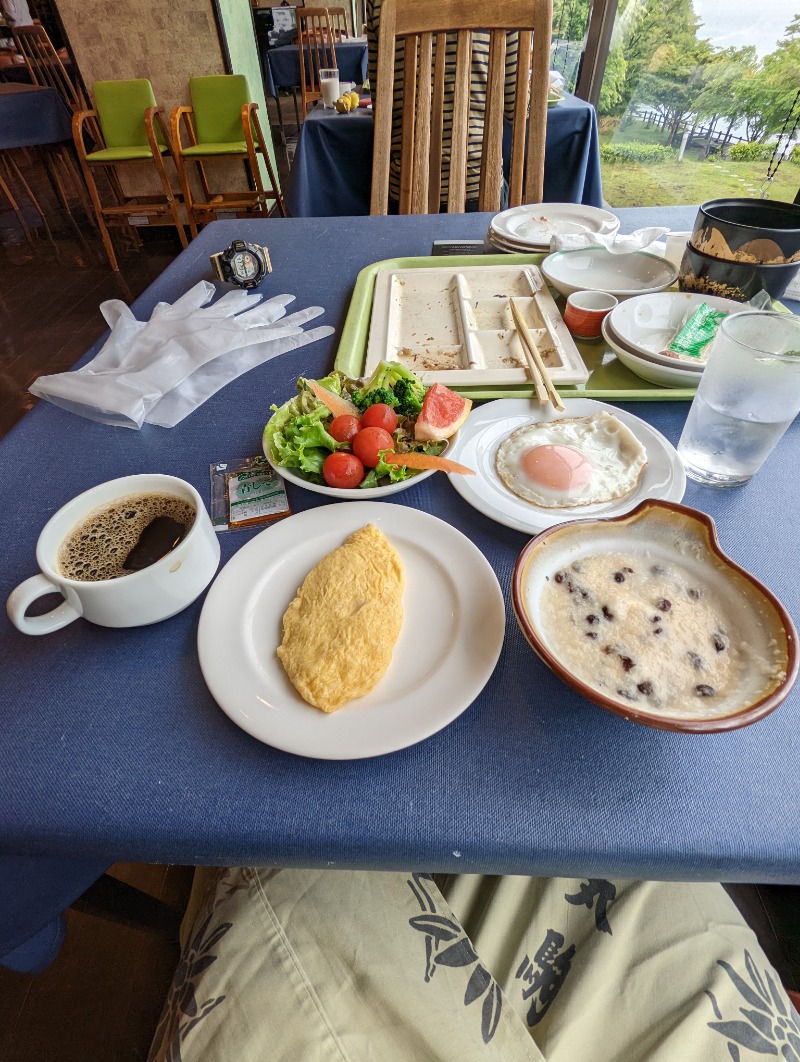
(556, 214)
(516, 248)
(663, 363)
(653, 372)
(649, 341)
(454, 622)
(489, 424)
(562, 280)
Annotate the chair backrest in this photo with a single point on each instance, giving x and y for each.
(45, 66)
(429, 64)
(337, 19)
(316, 44)
(120, 108)
(217, 102)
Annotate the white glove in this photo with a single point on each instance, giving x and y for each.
(142, 361)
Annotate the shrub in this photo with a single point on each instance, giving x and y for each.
(750, 152)
(636, 152)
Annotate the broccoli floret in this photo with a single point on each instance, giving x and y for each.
(409, 397)
(365, 398)
(386, 379)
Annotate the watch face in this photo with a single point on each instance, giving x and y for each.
(244, 266)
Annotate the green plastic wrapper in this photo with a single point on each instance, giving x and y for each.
(694, 336)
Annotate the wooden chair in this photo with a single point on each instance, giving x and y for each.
(133, 131)
(316, 43)
(45, 66)
(48, 71)
(337, 19)
(222, 122)
(425, 36)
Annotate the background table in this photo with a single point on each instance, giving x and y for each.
(31, 116)
(331, 173)
(114, 750)
(282, 65)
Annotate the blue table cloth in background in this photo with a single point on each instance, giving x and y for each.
(114, 749)
(282, 65)
(32, 116)
(331, 173)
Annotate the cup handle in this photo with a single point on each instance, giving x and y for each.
(25, 594)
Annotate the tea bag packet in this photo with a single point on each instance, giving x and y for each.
(616, 244)
(141, 362)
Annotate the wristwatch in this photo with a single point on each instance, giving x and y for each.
(242, 264)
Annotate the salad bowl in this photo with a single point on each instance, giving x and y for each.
(298, 430)
(353, 493)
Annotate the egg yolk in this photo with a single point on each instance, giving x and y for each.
(561, 468)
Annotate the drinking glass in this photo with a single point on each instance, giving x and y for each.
(329, 85)
(748, 396)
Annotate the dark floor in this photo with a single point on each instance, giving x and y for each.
(100, 1000)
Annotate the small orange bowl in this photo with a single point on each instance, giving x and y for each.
(679, 544)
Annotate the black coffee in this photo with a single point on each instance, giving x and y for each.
(125, 536)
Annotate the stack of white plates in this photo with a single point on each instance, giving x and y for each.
(529, 229)
(639, 329)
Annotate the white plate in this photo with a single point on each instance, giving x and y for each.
(454, 621)
(597, 269)
(488, 425)
(647, 323)
(652, 371)
(510, 247)
(535, 224)
(353, 493)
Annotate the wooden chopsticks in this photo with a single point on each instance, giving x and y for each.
(545, 391)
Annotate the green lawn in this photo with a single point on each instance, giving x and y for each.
(689, 181)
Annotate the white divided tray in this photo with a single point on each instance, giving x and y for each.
(453, 325)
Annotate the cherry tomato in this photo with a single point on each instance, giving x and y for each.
(342, 470)
(344, 427)
(379, 416)
(368, 442)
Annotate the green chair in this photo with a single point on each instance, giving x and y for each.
(133, 131)
(222, 123)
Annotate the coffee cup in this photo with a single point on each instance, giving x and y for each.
(585, 311)
(125, 553)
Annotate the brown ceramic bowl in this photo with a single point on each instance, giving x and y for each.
(682, 543)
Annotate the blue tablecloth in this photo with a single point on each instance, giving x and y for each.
(282, 65)
(114, 750)
(32, 116)
(331, 173)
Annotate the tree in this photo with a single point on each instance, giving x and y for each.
(781, 79)
(658, 39)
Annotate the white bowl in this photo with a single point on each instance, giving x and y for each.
(358, 493)
(596, 269)
(663, 375)
(647, 323)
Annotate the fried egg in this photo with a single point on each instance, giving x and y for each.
(576, 461)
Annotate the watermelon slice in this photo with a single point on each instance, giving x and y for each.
(442, 414)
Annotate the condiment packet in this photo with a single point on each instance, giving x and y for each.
(246, 491)
(693, 337)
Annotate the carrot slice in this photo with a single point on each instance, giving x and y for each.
(415, 460)
(336, 404)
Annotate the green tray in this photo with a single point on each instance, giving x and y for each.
(608, 377)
